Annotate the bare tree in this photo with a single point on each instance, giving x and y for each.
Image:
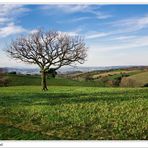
(48, 50)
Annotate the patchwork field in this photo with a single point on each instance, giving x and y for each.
(76, 112)
(126, 77)
(137, 80)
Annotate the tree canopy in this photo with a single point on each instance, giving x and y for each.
(51, 49)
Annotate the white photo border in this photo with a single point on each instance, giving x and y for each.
(73, 143)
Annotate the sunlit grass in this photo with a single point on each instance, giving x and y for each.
(73, 113)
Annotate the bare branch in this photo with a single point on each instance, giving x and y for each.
(49, 49)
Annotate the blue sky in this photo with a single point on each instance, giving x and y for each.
(115, 34)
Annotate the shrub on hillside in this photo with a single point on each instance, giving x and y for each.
(145, 85)
(115, 82)
(110, 83)
(13, 72)
(127, 82)
(104, 79)
(4, 81)
(88, 78)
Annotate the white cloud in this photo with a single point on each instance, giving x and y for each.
(73, 20)
(99, 14)
(80, 19)
(73, 8)
(10, 11)
(68, 9)
(116, 59)
(11, 29)
(33, 31)
(70, 33)
(137, 42)
(8, 15)
(3, 20)
(124, 38)
(96, 35)
(131, 24)
(132, 52)
(84, 9)
(103, 16)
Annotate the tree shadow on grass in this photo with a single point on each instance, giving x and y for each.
(64, 98)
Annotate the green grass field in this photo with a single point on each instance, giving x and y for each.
(75, 112)
(21, 80)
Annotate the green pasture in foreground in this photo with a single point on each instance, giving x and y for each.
(66, 112)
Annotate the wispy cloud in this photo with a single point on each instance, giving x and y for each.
(131, 24)
(69, 9)
(75, 20)
(10, 12)
(123, 38)
(98, 13)
(71, 33)
(11, 29)
(3, 20)
(8, 17)
(66, 8)
(73, 8)
(96, 35)
(139, 41)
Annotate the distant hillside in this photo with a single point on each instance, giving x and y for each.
(137, 80)
(125, 77)
(21, 80)
(121, 77)
(63, 70)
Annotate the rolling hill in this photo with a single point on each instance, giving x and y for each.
(23, 80)
(137, 80)
(125, 77)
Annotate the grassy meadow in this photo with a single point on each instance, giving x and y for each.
(32, 80)
(73, 113)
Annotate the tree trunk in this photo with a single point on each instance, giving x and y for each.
(44, 81)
